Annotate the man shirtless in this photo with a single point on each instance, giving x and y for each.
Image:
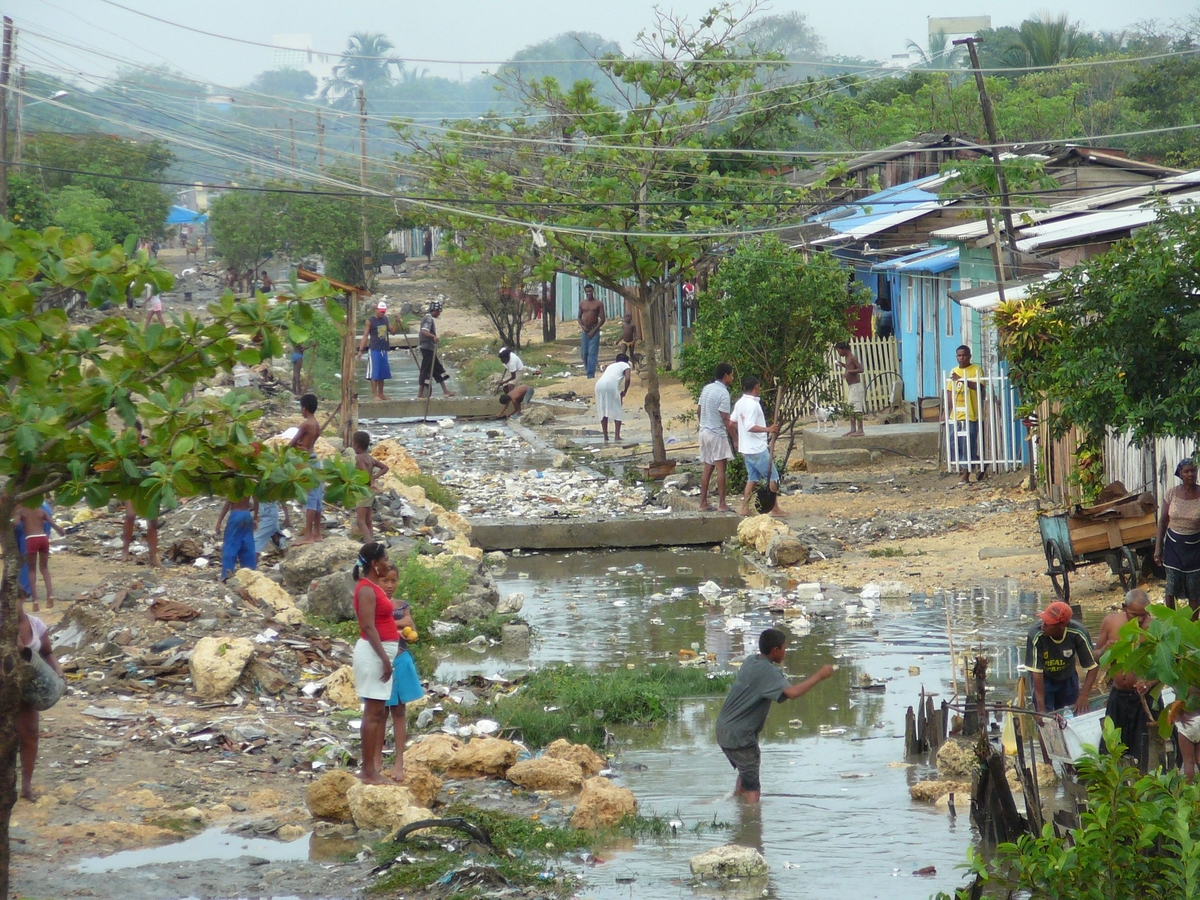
(1126, 699)
(306, 439)
(856, 391)
(591, 319)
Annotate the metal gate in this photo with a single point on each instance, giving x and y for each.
(982, 431)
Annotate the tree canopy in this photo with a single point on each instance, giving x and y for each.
(1115, 342)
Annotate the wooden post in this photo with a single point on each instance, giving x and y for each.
(20, 117)
(5, 64)
(348, 406)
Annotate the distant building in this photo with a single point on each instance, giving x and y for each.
(294, 51)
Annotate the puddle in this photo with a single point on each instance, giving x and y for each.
(836, 819)
(215, 843)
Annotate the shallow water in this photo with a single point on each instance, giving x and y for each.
(836, 819)
(462, 446)
(403, 383)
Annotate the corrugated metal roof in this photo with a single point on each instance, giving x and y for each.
(931, 259)
(1096, 223)
(986, 297)
(879, 212)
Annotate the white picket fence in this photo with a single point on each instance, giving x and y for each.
(999, 445)
(881, 362)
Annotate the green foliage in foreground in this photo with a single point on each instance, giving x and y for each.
(566, 702)
(1140, 837)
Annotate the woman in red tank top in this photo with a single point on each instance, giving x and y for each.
(378, 643)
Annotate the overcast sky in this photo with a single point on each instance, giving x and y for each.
(462, 30)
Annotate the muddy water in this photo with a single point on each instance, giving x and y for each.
(403, 383)
(836, 820)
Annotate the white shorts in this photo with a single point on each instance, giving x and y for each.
(714, 447)
(857, 394)
(368, 668)
(1189, 727)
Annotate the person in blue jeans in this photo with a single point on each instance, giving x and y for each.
(238, 546)
(591, 319)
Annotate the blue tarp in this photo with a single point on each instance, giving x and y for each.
(181, 215)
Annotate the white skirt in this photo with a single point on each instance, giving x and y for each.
(368, 670)
(608, 398)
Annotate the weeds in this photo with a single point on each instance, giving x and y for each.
(434, 490)
(889, 552)
(564, 702)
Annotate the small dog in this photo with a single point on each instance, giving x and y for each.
(826, 415)
(192, 252)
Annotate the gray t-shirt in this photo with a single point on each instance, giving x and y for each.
(714, 400)
(759, 683)
(427, 324)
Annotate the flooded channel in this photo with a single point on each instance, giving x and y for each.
(836, 820)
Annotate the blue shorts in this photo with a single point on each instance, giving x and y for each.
(378, 368)
(406, 684)
(315, 498)
(760, 467)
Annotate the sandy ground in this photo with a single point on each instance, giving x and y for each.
(115, 785)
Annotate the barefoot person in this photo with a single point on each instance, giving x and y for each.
(856, 391)
(513, 367)
(306, 439)
(1178, 545)
(515, 397)
(375, 337)
(752, 431)
(591, 319)
(377, 646)
(611, 387)
(1127, 701)
(365, 462)
(406, 683)
(717, 432)
(431, 367)
(37, 549)
(31, 634)
(237, 546)
(759, 683)
(131, 519)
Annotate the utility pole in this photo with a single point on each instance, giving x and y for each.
(320, 143)
(362, 180)
(5, 65)
(985, 104)
(292, 140)
(349, 404)
(20, 122)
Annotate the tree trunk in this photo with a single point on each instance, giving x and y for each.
(8, 680)
(653, 405)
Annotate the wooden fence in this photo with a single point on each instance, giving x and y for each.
(881, 360)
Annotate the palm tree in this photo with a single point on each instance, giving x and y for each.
(1045, 41)
(941, 55)
(364, 62)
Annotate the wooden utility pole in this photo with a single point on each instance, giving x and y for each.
(5, 65)
(320, 143)
(292, 142)
(20, 117)
(349, 398)
(989, 120)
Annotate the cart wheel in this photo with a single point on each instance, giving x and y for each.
(1056, 568)
(1127, 568)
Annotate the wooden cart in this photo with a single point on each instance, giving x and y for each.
(1119, 531)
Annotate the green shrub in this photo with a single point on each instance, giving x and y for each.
(434, 490)
(566, 702)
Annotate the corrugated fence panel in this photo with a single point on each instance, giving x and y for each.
(1127, 462)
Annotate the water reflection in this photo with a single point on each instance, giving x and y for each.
(836, 819)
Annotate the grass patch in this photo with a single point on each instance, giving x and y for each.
(582, 703)
(347, 631)
(434, 490)
(889, 552)
(489, 628)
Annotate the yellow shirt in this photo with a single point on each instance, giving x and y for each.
(966, 401)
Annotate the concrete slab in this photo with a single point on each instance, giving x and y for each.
(829, 460)
(917, 439)
(668, 530)
(440, 408)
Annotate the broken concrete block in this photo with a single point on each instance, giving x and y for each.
(326, 797)
(601, 804)
(831, 460)
(434, 751)
(785, 550)
(757, 532)
(217, 664)
(546, 773)
(382, 807)
(589, 760)
(730, 861)
(483, 758)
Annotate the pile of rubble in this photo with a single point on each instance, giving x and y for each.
(544, 494)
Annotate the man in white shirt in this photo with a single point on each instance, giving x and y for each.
(716, 433)
(753, 444)
(512, 367)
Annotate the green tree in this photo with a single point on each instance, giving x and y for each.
(247, 227)
(295, 84)
(627, 195)
(772, 313)
(1115, 342)
(78, 210)
(1044, 41)
(73, 392)
(941, 53)
(584, 48)
(1138, 836)
(491, 282)
(365, 63)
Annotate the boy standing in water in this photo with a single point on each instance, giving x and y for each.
(373, 467)
(37, 549)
